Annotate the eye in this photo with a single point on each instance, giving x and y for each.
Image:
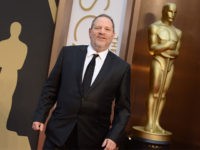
(97, 27)
(107, 29)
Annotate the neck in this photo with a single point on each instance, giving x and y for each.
(164, 21)
(98, 49)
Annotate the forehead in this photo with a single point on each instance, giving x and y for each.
(103, 21)
(171, 7)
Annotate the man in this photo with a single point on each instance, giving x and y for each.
(164, 44)
(81, 119)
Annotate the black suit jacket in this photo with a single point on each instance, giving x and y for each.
(90, 112)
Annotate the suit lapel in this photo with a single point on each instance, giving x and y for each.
(80, 63)
(103, 72)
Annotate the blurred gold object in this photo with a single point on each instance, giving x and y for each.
(139, 131)
(164, 43)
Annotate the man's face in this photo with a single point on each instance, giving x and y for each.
(101, 34)
(171, 13)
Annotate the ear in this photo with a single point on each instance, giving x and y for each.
(90, 31)
(113, 35)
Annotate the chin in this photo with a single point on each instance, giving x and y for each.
(171, 19)
(100, 45)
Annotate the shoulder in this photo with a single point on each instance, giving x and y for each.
(117, 60)
(71, 51)
(154, 26)
(178, 31)
(74, 48)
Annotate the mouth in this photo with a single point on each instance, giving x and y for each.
(101, 38)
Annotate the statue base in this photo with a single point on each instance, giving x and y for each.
(159, 138)
(141, 139)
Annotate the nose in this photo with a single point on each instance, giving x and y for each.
(173, 14)
(102, 31)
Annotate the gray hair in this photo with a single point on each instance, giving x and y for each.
(106, 16)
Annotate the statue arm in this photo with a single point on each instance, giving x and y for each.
(179, 32)
(157, 45)
(22, 57)
(174, 53)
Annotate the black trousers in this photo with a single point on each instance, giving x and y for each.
(70, 144)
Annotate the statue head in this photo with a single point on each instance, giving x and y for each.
(169, 13)
(15, 29)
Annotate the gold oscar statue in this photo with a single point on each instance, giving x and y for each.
(164, 43)
(13, 53)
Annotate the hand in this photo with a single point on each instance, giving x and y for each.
(109, 144)
(172, 44)
(37, 126)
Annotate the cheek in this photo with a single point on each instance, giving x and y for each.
(92, 37)
(111, 38)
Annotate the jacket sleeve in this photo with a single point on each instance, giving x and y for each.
(50, 91)
(122, 108)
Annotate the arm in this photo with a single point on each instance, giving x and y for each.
(121, 110)
(49, 93)
(22, 55)
(156, 44)
(175, 53)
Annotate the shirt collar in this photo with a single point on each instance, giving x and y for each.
(91, 51)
